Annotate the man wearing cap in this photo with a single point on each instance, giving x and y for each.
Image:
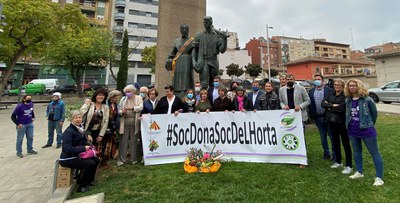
(55, 115)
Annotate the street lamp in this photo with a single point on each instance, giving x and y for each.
(269, 57)
(261, 61)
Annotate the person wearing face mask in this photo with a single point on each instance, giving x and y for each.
(317, 95)
(213, 90)
(197, 89)
(143, 93)
(23, 117)
(293, 96)
(254, 95)
(130, 108)
(189, 100)
(55, 114)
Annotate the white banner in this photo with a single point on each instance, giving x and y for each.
(264, 136)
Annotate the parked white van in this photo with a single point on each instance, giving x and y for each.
(50, 83)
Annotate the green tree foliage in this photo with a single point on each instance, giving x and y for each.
(234, 70)
(29, 27)
(274, 72)
(220, 72)
(122, 75)
(149, 56)
(253, 70)
(79, 48)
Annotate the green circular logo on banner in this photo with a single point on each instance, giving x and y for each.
(290, 142)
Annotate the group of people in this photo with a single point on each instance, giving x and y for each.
(110, 121)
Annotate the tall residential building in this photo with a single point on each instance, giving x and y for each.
(257, 50)
(140, 18)
(97, 11)
(291, 49)
(326, 49)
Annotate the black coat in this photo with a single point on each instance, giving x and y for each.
(162, 106)
(334, 114)
(247, 104)
(74, 142)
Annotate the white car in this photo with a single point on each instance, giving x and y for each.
(387, 94)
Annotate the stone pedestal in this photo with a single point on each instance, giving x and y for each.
(173, 13)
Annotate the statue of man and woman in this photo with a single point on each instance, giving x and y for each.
(199, 53)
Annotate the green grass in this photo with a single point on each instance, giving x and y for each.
(255, 182)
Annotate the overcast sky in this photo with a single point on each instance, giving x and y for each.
(372, 22)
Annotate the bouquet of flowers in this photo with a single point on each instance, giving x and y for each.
(202, 162)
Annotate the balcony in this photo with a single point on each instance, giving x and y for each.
(120, 4)
(118, 42)
(87, 6)
(118, 29)
(119, 16)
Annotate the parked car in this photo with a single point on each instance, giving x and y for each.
(36, 89)
(387, 94)
(50, 83)
(304, 83)
(65, 89)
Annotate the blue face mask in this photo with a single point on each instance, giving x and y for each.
(255, 89)
(216, 84)
(142, 95)
(317, 83)
(190, 96)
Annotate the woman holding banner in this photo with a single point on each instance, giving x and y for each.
(241, 102)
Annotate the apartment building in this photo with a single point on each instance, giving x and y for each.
(326, 49)
(257, 50)
(140, 18)
(381, 48)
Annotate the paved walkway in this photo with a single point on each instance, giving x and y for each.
(27, 179)
(30, 179)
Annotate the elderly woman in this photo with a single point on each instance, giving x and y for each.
(74, 142)
(97, 114)
(150, 104)
(241, 102)
(130, 107)
(334, 104)
(109, 144)
(222, 103)
(361, 115)
(269, 100)
(204, 104)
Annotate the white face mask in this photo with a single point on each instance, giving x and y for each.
(197, 89)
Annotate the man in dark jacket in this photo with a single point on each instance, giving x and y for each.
(317, 95)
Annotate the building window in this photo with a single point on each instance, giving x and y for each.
(326, 70)
(317, 70)
(133, 38)
(344, 56)
(149, 2)
(133, 12)
(144, 80)
(131, 64)
(133, 25)
(147, 26)
(101, 5)
(325, 49)
(147, 39)
(148, 14)
(120, 11)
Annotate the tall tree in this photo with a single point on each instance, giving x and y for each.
(253, 70)
(122, 75)
(79, 49)
(149, 56)
(29, 27)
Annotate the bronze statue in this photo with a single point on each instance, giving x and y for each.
(180, 62)
(207, 45)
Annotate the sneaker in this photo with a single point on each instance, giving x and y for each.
(336, 165)
(19, 155)
(356, 175)
(347, 170)
(134, 162)
(32, 152)
(378, 182)
(46, 146)
(120, 163)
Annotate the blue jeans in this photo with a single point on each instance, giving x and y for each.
(372, 146)
(323, 130)
(28, 130)
(51, 126)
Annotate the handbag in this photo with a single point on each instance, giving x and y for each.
(89, 153)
